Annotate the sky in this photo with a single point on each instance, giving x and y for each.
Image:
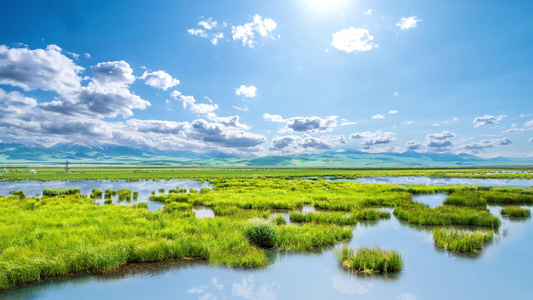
(270, 77)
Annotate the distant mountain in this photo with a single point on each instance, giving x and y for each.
(85, 153)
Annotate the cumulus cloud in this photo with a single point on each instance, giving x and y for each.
(487, 120)
(529, 123)
(45, 69)
(370, 138)
(340, 139)
(484, 144)
(206, 30)
(392, 112)
(246, 91)
(246, 33)
(353, 40)
(378, 116)
(293, 144)
(440, 136)
(107, 95)
(273, 118)
(413, 145)
(159, 79)
(310, 124)
(408, 23)
(221, 135)
(368, 12)
(190, 102)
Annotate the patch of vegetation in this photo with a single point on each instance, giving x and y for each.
(260, 234)
(446, 215)
(515, 211)
(460, 240)
(62, 191)
(370, 260)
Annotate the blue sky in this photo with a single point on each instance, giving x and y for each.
(270, 77)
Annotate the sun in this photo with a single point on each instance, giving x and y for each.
(323, 4)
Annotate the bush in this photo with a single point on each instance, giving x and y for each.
(260, 234)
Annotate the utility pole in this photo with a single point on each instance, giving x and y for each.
(66, 167)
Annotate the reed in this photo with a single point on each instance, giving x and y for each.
(460, 240)
(515, 211)
(370, 260)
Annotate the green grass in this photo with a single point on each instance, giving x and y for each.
(447, 215)
(467, 198)
(515, 211)
(461, 241)
(260, 233)
(370, 260)
(60, 191)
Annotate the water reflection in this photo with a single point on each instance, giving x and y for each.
(431, 200)
(144, 187)
(445, 181)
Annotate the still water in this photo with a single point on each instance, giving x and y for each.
(446, 181)
(501, 271)
(144, 187)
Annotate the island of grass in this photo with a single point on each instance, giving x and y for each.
(516, 211)
(460, 240)
(371, 260)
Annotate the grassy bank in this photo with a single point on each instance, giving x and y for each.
(461, 241)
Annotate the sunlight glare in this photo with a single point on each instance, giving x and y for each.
(323, 4)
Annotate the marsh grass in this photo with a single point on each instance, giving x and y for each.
(447, 215)
(370, 260)
(124, 194)
(469, 199)
(460, 240)
(515, 211)
(260, 233)
(60, 191)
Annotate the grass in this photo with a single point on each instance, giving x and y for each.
(467, 198)
(370, 260)
(515, 211)
(62, 191)
(461, 241)
(260, 233)
(447, 215)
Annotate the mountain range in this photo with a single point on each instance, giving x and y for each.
(81, 153)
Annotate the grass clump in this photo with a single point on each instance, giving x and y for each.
(461, 241)
(279, 220)
(515, 211)
(62, 191)
(19, 194)
(469, 199)
(124, 194)
(135, 195)
(370, 214)
(96, 193)
(260, 234)
(447, 215)
(324, 218)
(370, 260)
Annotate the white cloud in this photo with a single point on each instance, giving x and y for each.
(246, 33)
(531, 140)
(353, 40)
(273, 118)
(378, 116)
(368, 12)
(529, 123)
(244, 108)
(441, 136)
(208, 24)
(484, 144)
(396, 94)
(217, 36)
(392, 112)
(408, 23)
(487, 120)
(159, 79)
(413, 145)
(199, 108)
(198, 32)
(246, 91)
(45, 69)
(345, 122)
(407, 122)
(370, 138)
(310, 124)
(297, 144)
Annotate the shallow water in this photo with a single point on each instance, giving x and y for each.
(432, 200)
(445, 181)
(144, 187)
(501, 271)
